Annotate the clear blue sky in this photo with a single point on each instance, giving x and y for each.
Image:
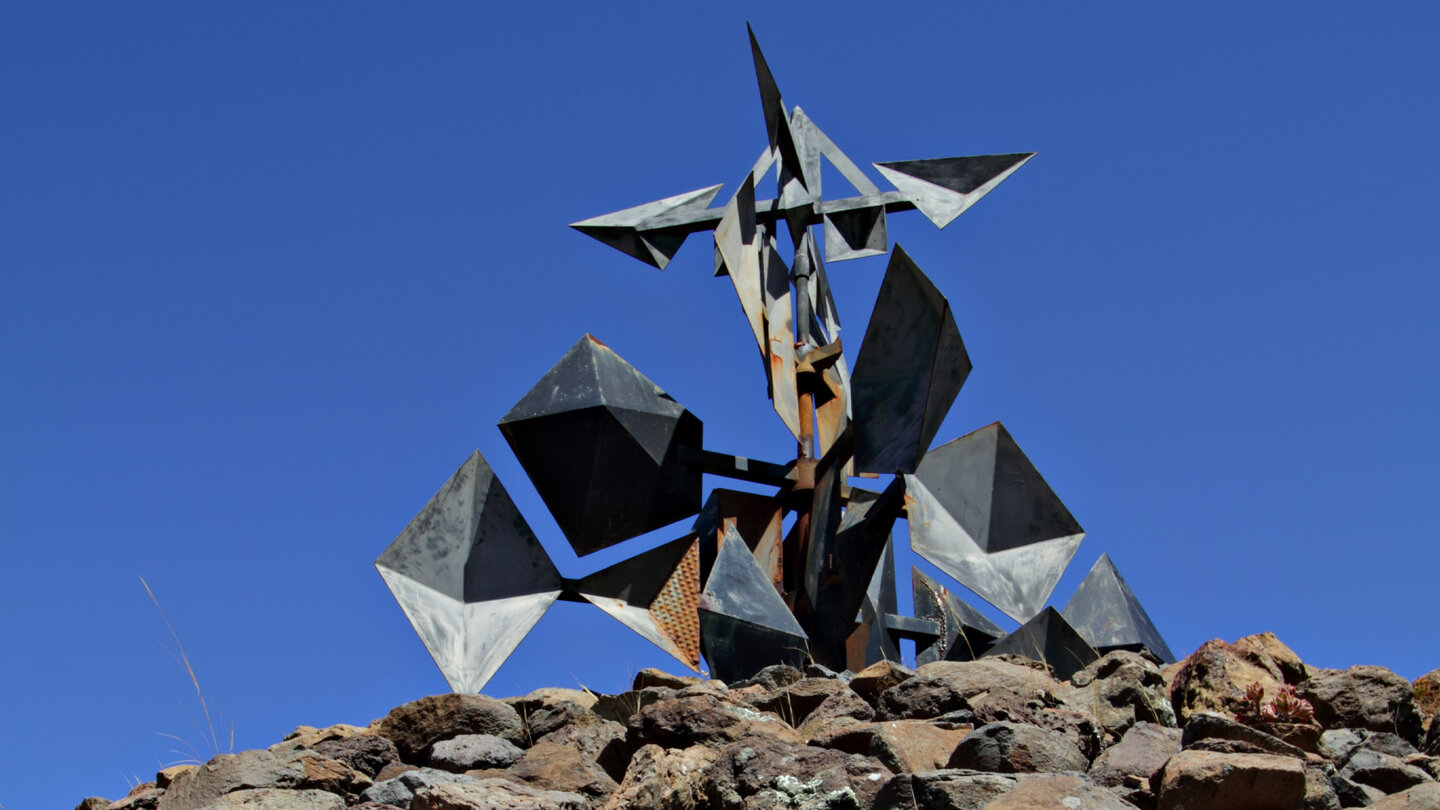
(269, 272)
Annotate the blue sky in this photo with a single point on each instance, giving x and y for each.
(270, 272)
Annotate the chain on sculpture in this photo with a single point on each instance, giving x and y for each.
(614, 457)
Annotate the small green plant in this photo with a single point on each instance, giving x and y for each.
(1285, 707)
(208, 735)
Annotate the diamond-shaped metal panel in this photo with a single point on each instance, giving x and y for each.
(966, 633)
(980, 511)
(1051, 639)
(910, 368)
(470, 575)
(656, 594)
(603, 446)
(744, 624)
(1106, 613)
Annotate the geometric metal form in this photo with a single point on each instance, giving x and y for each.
(744, 624)
(603, 446)
(656, 594)
(855, 233)
(756, 518)
(1105, 611)
(870, 642)
(630, 230)
(842, 565)
(980, 511)
(966, 632)
(470, 575)
(1051, 639)
(944, 188)
(911, 366)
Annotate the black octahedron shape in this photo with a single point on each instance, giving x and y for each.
(1105, 611)
(603, 445)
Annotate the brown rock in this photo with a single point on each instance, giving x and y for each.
(1016, 748)
(703, 720)
(1426, 691)
(165, 776)
(1058, 791)
(625, 705)
(946, 686)
(1422, 797)
(1319, 792)
(227, 773)
(419, 724)
(774, 676)
(548, 766)
(495, 794)
(1120, 690)
(1204, 726)
(1214, 677)
(795, 702)
(1139, 755)
(1201, 780)
(603, 743)
(141, 797)
(766, 772)
(93, 803)
(661, 779)
(914, 746)
(651, 676)
(873, 680)
(1268, 651)
(1365, 697)
(366, 753)
(309, 736)
(843, 706)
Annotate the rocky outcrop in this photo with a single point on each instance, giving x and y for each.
(996, 733)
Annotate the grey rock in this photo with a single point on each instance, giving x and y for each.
(1015, 748)
(1382, 771)
(1421, 797)
(769, 772)
(1121, 689)
(1372, 698)
(774, 676)
(660, 779)
(471, 751)
(1139, 755)
(277, 799)
(950, 789)
(1387, 743)
(1319, 792)
(300, 769)
(620, 708)
(1337, 744)
(398, 792)
(1353, 795)
(495, 794)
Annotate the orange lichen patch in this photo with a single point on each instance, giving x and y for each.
(676, 607)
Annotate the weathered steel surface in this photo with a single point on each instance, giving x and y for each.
(467, 557)
(944, 188)
(1049, 638)
(603, 445)
(911, 366)
(1106, 613)
(967, 632)
(757, 519)
(745, 626)
(980, 511)
(656, 594)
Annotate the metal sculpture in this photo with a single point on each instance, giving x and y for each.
(1105, 611)
(613, 457)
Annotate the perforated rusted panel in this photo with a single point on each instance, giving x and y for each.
(675, 608)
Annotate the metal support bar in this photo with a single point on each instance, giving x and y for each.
(921, 631)
(739, 467)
